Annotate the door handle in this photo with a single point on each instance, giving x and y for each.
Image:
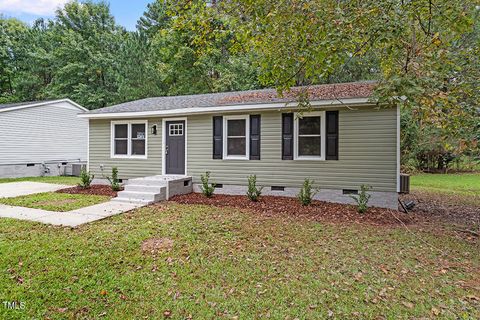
(166, 149)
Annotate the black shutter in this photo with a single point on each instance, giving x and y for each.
(332, 135)
(255, 137)
(217, 137)
(287, 136)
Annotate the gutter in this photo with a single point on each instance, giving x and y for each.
(344, 103)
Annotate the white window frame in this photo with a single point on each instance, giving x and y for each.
(179, 129)
(320, 114)
(247, 137)
(129, 140)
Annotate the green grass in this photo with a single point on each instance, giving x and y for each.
(231, 264)
(464, 186)
(53, 201)
(55, 180)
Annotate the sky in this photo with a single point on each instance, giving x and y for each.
(126, 12)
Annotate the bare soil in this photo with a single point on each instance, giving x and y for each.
(443, 208)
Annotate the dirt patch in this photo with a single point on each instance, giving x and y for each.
(443, 208)
(274, 205)
(96, 189)
(154, 246)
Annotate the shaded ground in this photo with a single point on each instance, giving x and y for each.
(206, 262)
(96, 189)
(444, 208)
(459, 188)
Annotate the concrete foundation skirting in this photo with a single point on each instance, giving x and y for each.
(378, 198)
(37, 169)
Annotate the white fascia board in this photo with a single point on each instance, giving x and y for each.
(225, 109)
(43, 103)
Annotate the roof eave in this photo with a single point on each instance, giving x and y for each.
(350, 102)
(38, 104)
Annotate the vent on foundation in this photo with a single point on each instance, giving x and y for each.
(30, 164)
(350, 191)
(219, 186)
(277, 188)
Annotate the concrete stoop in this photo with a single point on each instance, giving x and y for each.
(153, 189)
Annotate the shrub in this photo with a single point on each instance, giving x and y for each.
(85, 179)
(114, 182)
(253, 193)
(207, 187)
(362, 199)
(307, 192)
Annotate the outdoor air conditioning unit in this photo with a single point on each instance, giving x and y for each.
(77, 168)
(404, 183)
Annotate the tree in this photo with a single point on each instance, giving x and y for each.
(424, 53)
(11, 32)
(154, 19)
(85, 61)
(198, 51)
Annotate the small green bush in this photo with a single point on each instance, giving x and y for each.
(362, 199)
(253, 193)
(85, 179)
(307, 192)
(114, 182)
(207, 187)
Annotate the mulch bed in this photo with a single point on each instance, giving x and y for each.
(274, 205)
(95, 189)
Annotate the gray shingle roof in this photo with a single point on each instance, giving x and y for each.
(19, 104)
(316, 92)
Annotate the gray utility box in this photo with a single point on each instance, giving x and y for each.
(77, 168)
(404, 183)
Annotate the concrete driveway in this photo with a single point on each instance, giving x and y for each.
(15, 189)
(71, 218)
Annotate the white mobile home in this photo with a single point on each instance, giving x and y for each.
(41, 138)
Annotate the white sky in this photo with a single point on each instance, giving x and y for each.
(35, 7)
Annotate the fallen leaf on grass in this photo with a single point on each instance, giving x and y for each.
(407, 304)
(472, 297)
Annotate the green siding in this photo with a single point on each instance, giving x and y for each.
(127, 168)
(367, 153)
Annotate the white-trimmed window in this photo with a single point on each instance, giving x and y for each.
(310, 136)
(236, 140)
(129, 139)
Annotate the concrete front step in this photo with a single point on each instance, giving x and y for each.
(143, 188)
(154, 188)
(144, 196)
(129, 200)
(147, 182)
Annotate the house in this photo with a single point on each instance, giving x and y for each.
(343, 142)
(41, 138)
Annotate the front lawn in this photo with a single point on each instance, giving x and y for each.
(54, 201)
(463, 187)
(203, 262)
(71, 181)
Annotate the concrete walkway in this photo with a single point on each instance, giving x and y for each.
(15, 189)
(70, 218)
